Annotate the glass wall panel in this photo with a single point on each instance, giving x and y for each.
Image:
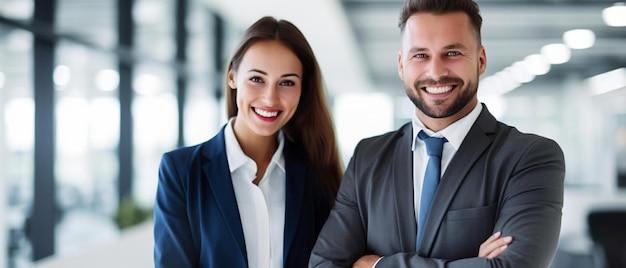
(93, 21)
(155, 121)
(87, 131)
(204, 115)
(17, 9)
(17, 110)
(154, 29)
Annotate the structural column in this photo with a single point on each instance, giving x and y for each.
(181, 59)
(43, 216)
(125, 27)
(218, 52)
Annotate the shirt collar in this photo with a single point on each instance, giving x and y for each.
(454, 133)
(237, 158)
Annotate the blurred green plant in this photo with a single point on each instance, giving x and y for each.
(129, 214)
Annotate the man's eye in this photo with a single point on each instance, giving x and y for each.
(420, 56)
(453, 53)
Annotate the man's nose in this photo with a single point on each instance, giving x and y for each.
(437, 68)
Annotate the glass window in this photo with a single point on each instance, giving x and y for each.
(155, 121)
(17, 9)
(154, 29)
(17, 130)
(92, 21)
(87, 133)
(204, 115)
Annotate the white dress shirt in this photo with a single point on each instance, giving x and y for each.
(454, 133)
(262, 207)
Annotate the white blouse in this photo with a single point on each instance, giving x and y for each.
(262, 207)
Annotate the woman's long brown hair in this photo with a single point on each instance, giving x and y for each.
(312, 125)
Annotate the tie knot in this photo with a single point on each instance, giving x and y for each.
(434, 145)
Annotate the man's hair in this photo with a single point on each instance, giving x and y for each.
(469, 7)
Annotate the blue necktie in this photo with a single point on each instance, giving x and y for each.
(434, 148)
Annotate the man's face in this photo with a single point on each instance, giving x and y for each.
(440, 62)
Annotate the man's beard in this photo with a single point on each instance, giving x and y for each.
(465, 96)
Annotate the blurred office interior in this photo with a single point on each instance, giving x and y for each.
(92, 92)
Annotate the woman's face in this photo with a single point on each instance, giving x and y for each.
(269, 84)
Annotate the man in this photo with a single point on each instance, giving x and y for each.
(499, 198)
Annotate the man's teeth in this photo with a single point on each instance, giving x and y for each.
(438, 90)
(265, 113)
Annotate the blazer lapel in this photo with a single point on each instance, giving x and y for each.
(294, 191)
(218, 175)
(473, 146)
(402, 169)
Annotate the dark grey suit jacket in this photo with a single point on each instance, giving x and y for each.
(499, 180)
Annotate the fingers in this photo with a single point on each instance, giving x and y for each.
(492, 238)
(499, 250)
(494, 246)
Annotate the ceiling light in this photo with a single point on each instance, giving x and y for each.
(537, 64)
(608, 81)
(506, 81)
(615, 15)
(556, 53)
(107, 80)
(61, 75)
(520, 72)
(579, 38)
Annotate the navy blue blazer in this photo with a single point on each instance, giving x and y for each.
(196, 218)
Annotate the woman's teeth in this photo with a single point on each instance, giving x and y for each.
(265, 113)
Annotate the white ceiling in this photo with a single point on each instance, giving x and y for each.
(324, 24)
(356, 41)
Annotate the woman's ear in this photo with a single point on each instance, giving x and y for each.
(232, 79)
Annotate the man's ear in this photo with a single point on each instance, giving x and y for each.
(482, 61)
(400, 66)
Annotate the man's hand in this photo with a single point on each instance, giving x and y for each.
(366, 261)
(494, 246)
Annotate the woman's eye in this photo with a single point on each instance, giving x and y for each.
(287, 83)
(256, 79)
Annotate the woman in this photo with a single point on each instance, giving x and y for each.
(258, 193)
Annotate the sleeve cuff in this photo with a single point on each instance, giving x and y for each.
(374, 266)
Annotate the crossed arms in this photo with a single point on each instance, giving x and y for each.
(519, 193)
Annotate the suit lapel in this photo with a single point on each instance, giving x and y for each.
(218, 175)
(402, 169)
(473, 146)
(294, 192)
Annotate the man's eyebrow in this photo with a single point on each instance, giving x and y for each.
(448, 47)
(417, 49)
(455, 46)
